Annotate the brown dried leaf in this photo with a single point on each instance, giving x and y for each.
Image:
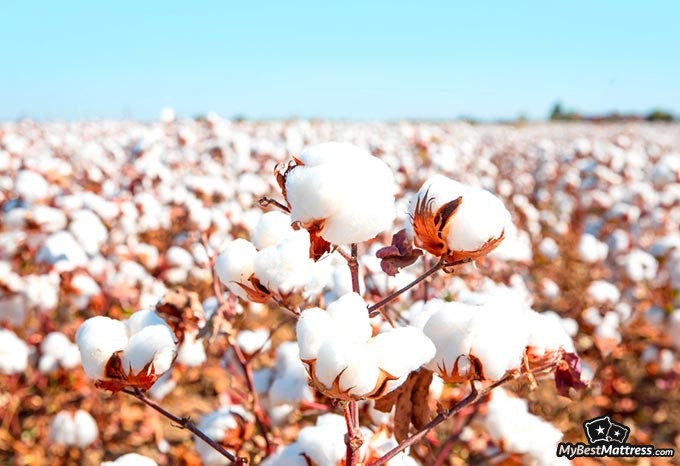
(399, 254)
(420, 396)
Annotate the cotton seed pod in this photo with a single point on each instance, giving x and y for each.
(457, 222)
(340, 193)
(345, 362)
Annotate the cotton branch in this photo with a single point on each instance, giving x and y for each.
(374, 309)
(188, 424)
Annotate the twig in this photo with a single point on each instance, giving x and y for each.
(188, 424)
(473, 397)
(373, 310)
(267, 201)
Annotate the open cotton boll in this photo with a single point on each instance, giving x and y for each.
(13, 353)
(313, 328)
(334, 356)
(344, 187)
(509, 422)
(640, 265)
(77, 429)
(402, 350)
(191, 352)
(250, 341)
(548, 248)
(63, 251)
(602, 291)
(591, 250)
(98, 338)
(290, 455)
(217, 425)
(451, 330)
(546, 333)
(324, 443)
(144, 318)
(88, 230)
(272, 228)
(154, 345)
(350, 318)
(31, 186)
(286, 267)
(57, 350)
(131, 459)
(179, 257)
(361, 373)
(162, 387)
(235, 264)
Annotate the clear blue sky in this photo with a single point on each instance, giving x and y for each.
(487, 59)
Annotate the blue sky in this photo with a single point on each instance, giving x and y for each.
(354, 60)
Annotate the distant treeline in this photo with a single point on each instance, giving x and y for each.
(559, 114)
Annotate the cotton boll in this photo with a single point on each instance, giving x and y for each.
(98, 338)
(640, 266)
(31, 186)
(217, 425)
(323, 443)
(191, 352)
(592, 250)
(271, 230)
(350, 318)
(549, 288)
(144, 318)
(313, 327)
(290, 455)
(601, 291)
(548, 248)
(402, 350)
(48, 218)
(334, 356)
(88, 230)
(131, 459)
(546, 333)
(162, 386)
(348, 189)
(361, 374)
(286, 267)
(13, 353)
(235, 264)
(500, 346)
(57, 350)
(179, 257)
(77, 429)
(63, 251)
(250, 341)
(154, 345)
(451, 330)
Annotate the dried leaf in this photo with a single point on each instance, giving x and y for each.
(399, 254)
(568, 374)
(420, 397)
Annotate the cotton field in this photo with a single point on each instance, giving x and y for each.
(284, 293)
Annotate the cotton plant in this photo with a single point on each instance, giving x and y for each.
(77, 429)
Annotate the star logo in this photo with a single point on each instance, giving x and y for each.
(600, 430)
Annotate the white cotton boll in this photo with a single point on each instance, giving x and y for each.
(334, 356)
(516, 246)
(62, 250)
(163, 386)
(98, 338)
(13, 353)
(313, 328)
(361, 374)
(147, 255)
(601, 291)
(402, 350)
(77, 429)
(48, 218)
(191, 352)
(345, 186)
(272, 228)
(350, 318)
(640, 266)
(235, 264)
(451, 330)
(549, 288)
(131, 459)
(57, 350)
(666, 360)
(144, 318)
(216, 425)
(324, 443)
(290, 455)
(286, 267)
(546, 333)
(591, 316)
(481, 217)
(500, 346)
(153, 344)
(88, 230)
(250, 341)
(85, 285)
(591, 249)
(31, 186)
(290, 390)
(176, 275)
(420, 312)
(179, 257)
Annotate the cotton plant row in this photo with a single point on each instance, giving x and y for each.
(95, 243)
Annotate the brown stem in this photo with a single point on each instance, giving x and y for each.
(188, 424)
(260, 415)
(374, 309)
(473, 397)
(353, 263)
(267, 201)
